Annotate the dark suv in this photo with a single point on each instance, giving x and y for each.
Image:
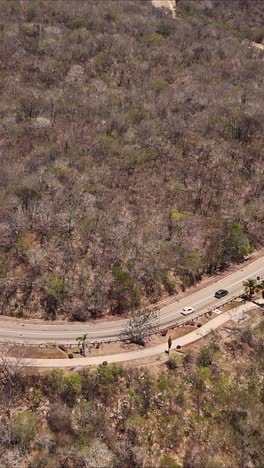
(221, 293)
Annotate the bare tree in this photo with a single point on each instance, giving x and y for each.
(142, 324)
(109, 191)
(10, 371)
(98, 455)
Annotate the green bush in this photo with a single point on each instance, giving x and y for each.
(56, 288)
(172, 362)
(206, 356)
(72, 384)
(37, 395)
(24, 242)
(163, 383)
(159, 85)
(176, 215)
(154, 39)
(24, 429)
(236, 244)
(168, 462)
(120, 275)
(168, 282)
(54, 382)
(109, 374)
(135, 116)
(140, 155)
(186, 8)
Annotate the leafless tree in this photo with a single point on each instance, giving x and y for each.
(141, 325)
(10, 373)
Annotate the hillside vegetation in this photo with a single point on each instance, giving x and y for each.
(201, 410)
(131, 150)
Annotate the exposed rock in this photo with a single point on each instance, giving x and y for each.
(42, 122)
(167, 4)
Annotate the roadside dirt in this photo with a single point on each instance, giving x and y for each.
(36, 353)
(118, 347)
(95, 350)
(230, 306)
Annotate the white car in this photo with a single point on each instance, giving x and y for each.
(187, 310)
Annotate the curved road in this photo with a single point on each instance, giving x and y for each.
(147, 352)
(203, 300)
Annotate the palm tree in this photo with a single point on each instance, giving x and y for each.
(82, 342)
(250, 286)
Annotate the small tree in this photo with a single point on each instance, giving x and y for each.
(250, 286)
(55, 292)
(82, 343)
(72, 387)
(141, 324)
(24, 429)
(236, 244)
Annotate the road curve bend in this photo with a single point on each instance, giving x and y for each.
(140, 353)
(203, 300)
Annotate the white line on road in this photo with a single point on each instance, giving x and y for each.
(169, 314)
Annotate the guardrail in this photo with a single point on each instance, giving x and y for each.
(171, 326)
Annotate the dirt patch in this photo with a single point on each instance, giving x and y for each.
(37, 353)
(110, 348)
(178, 332)
(230, 306)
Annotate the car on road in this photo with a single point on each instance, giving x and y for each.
(221, 293)
(187, 310)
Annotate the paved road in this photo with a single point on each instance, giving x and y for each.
(23, 332)
(143, 353)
